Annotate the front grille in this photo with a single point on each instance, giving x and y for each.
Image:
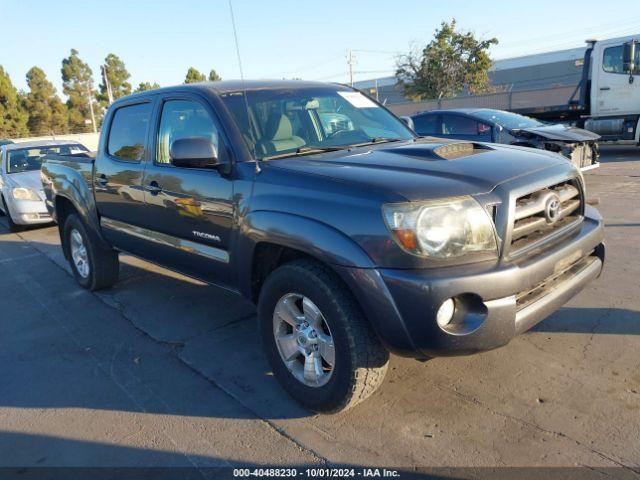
(544, 212)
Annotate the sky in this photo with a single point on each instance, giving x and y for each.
(159, 40)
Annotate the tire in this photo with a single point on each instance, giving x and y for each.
(13, 226)
(360, 361)
(102, 264)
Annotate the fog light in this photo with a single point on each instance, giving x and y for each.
(445, 312)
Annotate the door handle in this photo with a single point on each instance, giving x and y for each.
(153, 188)
(605, 88)
(102, 181)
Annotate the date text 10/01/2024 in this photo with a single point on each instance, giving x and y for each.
(317, 472)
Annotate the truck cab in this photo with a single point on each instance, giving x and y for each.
(614, 89)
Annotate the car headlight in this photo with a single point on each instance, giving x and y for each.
(22, 193)
(443, 228)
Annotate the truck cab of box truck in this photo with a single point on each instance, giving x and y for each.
(615, 89)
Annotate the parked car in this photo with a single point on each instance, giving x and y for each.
(487, 125)
(353, 242)
(21, 194)
(5, 141)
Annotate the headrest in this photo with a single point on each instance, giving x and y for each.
(283, 129)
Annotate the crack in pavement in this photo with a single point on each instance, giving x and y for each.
(475, 401)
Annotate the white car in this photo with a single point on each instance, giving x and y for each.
(21, 194)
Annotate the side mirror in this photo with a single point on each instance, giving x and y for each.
(193, 152)
(629, 58)
(408, 121)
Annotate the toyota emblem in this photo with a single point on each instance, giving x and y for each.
(552, 209)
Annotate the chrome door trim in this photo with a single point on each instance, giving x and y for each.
(187, 246)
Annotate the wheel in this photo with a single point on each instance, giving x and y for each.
(316, 339)
(13, 226)
(94, 266)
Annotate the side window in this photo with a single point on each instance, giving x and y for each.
(612, 61)
(183, 119)
(426, 125)
(457, 125)
(128, 132)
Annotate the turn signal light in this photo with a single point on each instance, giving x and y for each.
(407, 239)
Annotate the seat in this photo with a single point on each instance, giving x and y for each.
(279, 136)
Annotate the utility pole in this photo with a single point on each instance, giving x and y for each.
(93, 116)
(351, 61)
(103, 68)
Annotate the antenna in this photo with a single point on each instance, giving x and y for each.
(244, 93)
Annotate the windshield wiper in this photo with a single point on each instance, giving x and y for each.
(310, 150)
(306, 151)
(375, 140)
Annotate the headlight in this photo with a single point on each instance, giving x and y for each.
(22, 193)
(443, 228)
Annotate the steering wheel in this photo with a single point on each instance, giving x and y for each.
(355, 134)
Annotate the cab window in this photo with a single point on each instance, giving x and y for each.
(184, 119)
(612, 60)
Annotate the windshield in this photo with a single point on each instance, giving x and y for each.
(508, 120)
(292, 121)
(26, 159)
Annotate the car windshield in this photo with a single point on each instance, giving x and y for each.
(296, 121)
(26, 159)
(511, 121)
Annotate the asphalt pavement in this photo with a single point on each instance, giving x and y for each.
(162, 370)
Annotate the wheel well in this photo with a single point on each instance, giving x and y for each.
(266, 258)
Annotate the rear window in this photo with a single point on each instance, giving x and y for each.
(128, 134)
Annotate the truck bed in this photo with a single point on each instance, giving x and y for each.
(60, 172)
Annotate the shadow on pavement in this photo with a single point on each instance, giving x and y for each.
(601, 321)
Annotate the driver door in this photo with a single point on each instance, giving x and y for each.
(189, 211)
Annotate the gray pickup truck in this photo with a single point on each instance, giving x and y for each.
(354, 237)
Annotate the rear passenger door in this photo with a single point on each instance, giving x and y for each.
(189, 211)
(119, 170)
(462, 127)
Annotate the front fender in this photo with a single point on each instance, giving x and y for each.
(341, 253)
(314, 238)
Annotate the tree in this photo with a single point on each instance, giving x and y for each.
(213, 76)
(144, 86)
(194, 76)
(77, 85)
(13, 118)
(452, 60)
(117, 75)
(47, 113)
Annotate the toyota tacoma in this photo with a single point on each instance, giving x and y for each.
(354, 238)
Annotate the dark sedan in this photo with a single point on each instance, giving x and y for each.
(487, 125)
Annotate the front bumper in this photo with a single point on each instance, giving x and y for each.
(497, 300)
(29, 212)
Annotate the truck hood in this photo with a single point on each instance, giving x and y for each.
(424, 170)
(561, 132)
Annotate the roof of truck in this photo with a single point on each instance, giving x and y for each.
(226, 86)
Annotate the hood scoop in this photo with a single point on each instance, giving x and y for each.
(451, 151)
(441, 151)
